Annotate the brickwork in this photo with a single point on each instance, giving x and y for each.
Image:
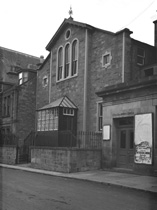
(8, 155)
(65, 159)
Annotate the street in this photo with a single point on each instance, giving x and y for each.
(21, 190)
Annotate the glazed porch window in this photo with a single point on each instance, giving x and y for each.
(47, 120)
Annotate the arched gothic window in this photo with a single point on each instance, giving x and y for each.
(67, 61)
(60, 63)
(74, 57)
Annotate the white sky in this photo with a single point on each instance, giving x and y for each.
(28, 25)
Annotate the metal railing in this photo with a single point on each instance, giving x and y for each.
(80, 139)
(89, 139)
(8, 139)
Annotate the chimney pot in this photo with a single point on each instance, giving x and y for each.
(41, 59)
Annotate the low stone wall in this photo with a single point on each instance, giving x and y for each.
(65, 159)
(8, 154)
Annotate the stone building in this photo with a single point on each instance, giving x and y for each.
(18, 89)
(82, 60)
(130, 114)
(92, 81)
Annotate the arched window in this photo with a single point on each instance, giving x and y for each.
(67, 61)
(74, 57)
(60, 63)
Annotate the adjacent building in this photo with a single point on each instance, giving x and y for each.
(18, 90)
(130, 114)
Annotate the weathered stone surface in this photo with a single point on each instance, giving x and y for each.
(8, 155)
(65, 159)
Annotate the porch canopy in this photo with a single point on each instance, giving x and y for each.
(57, 123)
(64, 102)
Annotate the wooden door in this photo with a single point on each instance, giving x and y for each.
(125, 153)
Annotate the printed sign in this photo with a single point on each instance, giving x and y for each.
(106, 132)
(143, 138)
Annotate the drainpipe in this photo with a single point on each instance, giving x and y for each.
(123, 57)
(85, 83)
(50, 77)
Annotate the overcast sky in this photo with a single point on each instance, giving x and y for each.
(28, 25)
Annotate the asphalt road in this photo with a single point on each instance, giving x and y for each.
(21, 190)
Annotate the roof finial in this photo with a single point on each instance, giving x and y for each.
(70, 12)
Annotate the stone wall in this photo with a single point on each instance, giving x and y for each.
(65, 159)
(128, 104)
(8, 155)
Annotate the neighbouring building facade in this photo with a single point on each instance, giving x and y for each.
(130, 115)
(18, 93)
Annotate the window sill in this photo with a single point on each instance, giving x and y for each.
(61, 80)
(6, 116)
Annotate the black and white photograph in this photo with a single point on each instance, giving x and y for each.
(78, 105)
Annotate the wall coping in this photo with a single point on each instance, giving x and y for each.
(128, 86)
(2, 146)
(64, 148)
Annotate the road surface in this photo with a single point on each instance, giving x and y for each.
(21, 190)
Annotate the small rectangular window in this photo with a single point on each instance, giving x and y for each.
(68, 111)
(23, 77)
(1, 88)
(106, 59)
(140, 56)
(6, 106)
(100, 116)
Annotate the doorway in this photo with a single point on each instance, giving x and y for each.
(125, 143)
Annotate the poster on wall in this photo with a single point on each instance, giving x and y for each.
(106, 132)
(143, 138)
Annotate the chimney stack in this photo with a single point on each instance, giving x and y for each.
(41, 59)
(155, 33)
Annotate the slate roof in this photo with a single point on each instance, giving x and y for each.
(61, 102)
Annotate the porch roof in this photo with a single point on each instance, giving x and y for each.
(61, 102)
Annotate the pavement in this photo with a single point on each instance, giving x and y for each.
(120, 179)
